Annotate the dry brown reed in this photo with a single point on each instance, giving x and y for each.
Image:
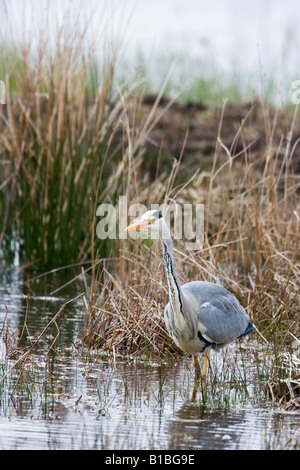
(251, 246)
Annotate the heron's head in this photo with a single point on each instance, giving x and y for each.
(150, 221)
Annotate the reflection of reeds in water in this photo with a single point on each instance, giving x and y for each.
(88, 402)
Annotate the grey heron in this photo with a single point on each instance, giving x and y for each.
(200, 315)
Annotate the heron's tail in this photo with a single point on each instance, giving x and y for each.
(248, 330)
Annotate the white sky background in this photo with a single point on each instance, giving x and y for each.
(251, 36)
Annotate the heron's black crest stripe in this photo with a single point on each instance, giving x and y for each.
(157, 214)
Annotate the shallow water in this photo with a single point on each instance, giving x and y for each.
(70, 398)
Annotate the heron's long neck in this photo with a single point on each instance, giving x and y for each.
(175, 294)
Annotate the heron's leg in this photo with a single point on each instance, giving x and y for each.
(197, 367)
(198, 379)
(205, 362)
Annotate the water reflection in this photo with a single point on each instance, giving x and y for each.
(70, 398)
(215, 430)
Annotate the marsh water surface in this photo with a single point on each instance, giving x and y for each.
(66, 397)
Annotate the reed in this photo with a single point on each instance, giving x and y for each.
(64, 147)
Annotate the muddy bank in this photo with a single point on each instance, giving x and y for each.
(252, 130)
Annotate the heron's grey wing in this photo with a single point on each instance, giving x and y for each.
(221, 318)
(220, 325)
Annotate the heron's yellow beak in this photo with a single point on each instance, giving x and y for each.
(136, 226)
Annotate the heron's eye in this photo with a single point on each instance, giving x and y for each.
(149, 221)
